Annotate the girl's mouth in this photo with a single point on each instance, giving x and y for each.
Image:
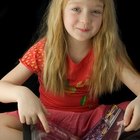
(83, 30)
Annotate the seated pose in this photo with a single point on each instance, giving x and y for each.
(77, 58)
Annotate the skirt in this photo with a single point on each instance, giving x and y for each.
(77, 123)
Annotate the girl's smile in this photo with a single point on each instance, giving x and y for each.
(83, 30)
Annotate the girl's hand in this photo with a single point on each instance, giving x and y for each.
(132, 115)
(30, 109)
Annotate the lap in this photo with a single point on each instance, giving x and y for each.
(78, 123)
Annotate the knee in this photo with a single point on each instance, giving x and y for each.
(2, 120)
(10, 128)
(9, 121)
(2, 125)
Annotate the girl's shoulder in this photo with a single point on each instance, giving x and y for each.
(40, 44)
(34, 56)
(37, 49)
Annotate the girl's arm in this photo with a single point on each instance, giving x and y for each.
(131, 80)
(11, 90)
(11, 83)
(132, 113)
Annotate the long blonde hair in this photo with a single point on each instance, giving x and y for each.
(109, 51)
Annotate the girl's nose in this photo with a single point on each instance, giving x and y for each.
(84, 18)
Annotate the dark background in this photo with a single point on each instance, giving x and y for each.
(19, 21)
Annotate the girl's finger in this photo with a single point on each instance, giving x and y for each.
(34, 120)
(44, 122)
(22, 119)
(128, 114)
(134, 124)
(28, 120)
(45, 110)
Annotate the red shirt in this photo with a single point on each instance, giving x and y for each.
(77, 84)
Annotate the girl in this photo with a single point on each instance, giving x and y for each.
(79, 58)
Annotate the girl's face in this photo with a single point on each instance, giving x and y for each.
(83, 18)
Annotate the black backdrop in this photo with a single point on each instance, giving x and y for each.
(20, 19)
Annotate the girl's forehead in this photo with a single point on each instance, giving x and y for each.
(85, 1)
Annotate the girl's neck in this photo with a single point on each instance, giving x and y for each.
(78, 49)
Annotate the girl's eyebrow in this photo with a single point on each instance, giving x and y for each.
(100, 5)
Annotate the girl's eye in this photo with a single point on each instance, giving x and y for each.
(96, 12)
(76, 9)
